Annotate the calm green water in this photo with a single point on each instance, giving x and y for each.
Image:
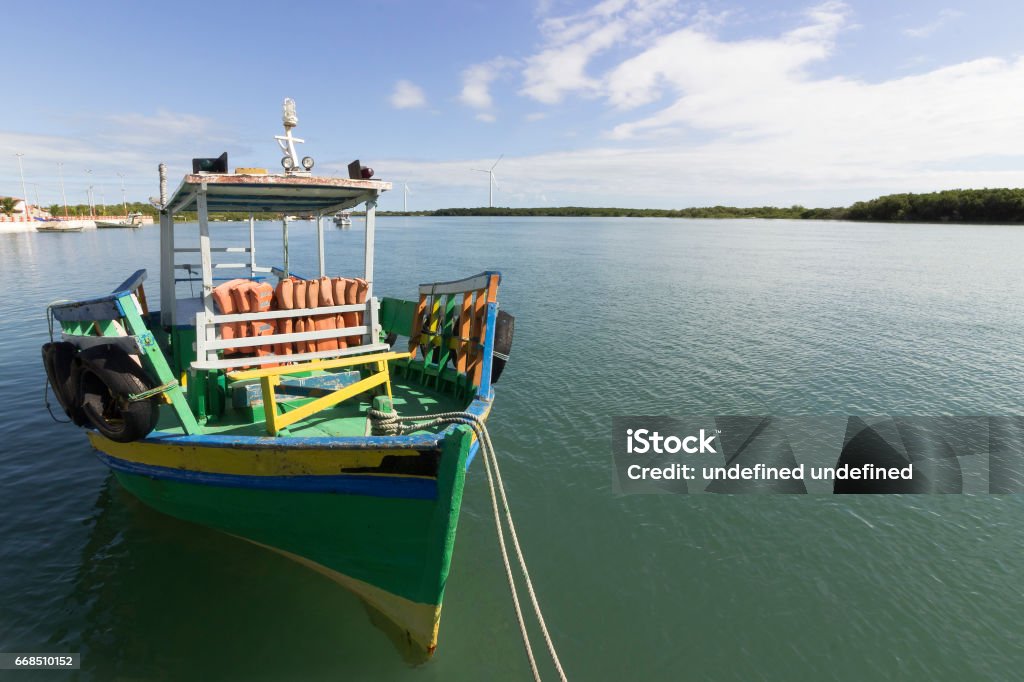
(614, 316)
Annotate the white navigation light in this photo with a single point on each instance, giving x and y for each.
(307, 162)
(290, 118)
(287, 142)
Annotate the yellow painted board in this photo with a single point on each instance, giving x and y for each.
(312, 365)
(276, 422)
(267, 385)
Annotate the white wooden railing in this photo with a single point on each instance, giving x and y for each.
(209, 342)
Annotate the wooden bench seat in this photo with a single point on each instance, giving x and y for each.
(247, 395)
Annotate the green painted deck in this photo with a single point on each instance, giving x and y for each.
(346, 419)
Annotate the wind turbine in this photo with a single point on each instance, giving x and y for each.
(405, 197)
(491, 181)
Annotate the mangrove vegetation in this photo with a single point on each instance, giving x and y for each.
(955, 205)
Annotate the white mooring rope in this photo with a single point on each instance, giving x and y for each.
(389, 423)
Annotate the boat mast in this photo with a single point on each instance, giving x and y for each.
(24, 192)
(60, 172)
(124, 195)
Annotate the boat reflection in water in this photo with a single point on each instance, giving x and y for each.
(158, 598)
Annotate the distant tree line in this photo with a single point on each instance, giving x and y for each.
(145, 208)
(573, 211)
(956, 205)
(581, 211)
(82, 210)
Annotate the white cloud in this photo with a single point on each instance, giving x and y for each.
(486, 117)
(945, 16)
(536, 116)
(571, 42)
(477, 79)
(750, 121)
(408, 95)
(712, 78)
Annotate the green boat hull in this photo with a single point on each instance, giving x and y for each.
(393, 552)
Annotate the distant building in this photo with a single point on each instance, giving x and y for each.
(19, 212)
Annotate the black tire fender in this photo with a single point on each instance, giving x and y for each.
(504, 329)
(106, 377)
(60, 360)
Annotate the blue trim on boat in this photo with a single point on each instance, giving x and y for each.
(425, 441)
(213, 440)
(488, 359)
(373, 485)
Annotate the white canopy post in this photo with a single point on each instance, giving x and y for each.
(284, 233)
(371, 214)
(204, 250)
(320, 240)
(167, 287)
(371, 302)
(205, 328)
(252, 246)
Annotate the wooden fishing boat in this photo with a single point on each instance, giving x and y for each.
(258, 407)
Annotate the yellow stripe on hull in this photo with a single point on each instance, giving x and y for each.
(270, 461)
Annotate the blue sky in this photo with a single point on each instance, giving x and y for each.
(640, 103)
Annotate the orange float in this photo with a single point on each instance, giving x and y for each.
(325, 322)
(361, 288)
(260, 296)
(284, 296)
(299, 291)
(225, 304)
(312, 301)
(340, 321)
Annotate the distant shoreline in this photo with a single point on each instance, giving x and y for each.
(998, 206)
(981, 206)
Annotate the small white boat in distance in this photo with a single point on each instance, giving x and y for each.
(343, 218)
(133, 220)
(57, 227)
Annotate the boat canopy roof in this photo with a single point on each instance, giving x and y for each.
(286, 194)
(293, 193)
